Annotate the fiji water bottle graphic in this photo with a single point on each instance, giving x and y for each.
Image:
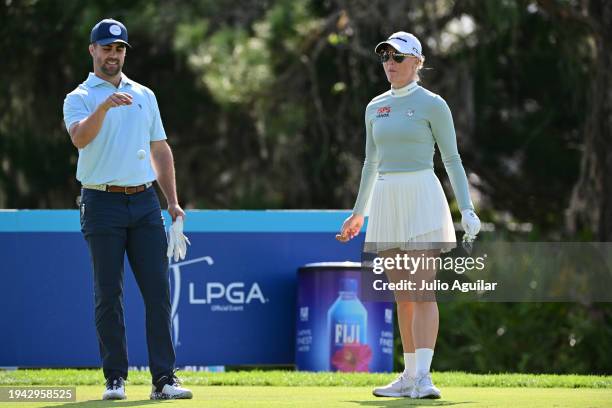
(347, 327)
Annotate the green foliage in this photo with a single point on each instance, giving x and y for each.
(524, 337)
(234, 65)
(275, 92)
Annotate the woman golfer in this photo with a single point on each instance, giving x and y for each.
(408, 209)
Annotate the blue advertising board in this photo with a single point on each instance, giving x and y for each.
(233, 297)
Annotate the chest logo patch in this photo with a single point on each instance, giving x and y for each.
(383, 112)
(410, 112)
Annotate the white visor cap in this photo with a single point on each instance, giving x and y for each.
(404, 43)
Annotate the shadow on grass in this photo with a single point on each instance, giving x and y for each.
(403, 402)
(100, 403)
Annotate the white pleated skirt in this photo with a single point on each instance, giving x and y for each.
(409, 211)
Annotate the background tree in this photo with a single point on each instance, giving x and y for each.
(263, 101)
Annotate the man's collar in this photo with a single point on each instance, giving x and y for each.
(93, 80)
(125, 80)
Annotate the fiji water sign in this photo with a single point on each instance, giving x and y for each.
(347, 321)
(336, 331)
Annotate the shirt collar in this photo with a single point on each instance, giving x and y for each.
(93, 80)
(405, 90)
(125, 80)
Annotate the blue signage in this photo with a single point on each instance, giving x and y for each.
(233, 297)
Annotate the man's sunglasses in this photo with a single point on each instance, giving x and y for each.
(397, 57)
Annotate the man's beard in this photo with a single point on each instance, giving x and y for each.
(110, 70)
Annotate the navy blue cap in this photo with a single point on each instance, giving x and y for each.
(109, 31)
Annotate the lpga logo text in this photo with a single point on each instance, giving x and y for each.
(221, 297)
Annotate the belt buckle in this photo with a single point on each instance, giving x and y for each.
(129, 190)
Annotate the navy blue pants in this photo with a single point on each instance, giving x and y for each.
(114, 224)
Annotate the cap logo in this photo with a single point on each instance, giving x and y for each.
(115, 29)
(398, 38)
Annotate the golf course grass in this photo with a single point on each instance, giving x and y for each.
(322, 390)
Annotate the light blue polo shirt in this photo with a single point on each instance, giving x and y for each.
(112, 156)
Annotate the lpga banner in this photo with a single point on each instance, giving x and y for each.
(233, 297)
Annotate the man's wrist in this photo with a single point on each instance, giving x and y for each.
(104, 107)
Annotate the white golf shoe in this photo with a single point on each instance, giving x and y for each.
(169, 387)
(400, 387)
(424, 388)
(115, 389)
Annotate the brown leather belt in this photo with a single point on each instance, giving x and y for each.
(119, 189)
(126, 190)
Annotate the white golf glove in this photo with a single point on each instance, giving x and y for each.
(470, 223)
(177, 241)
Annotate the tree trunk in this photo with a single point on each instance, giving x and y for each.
(591, 202)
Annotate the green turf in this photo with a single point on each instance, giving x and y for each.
(331, 397)
(295, 378)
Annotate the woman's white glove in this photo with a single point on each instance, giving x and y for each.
(177, 241)
(470, 222)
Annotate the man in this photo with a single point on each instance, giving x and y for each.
(116, 125)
